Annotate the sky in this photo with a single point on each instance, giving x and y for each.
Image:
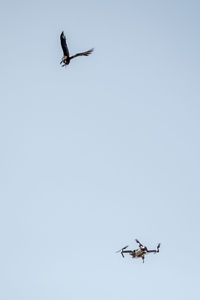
(101, 152)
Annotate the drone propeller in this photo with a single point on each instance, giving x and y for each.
(157, 249)
(121, 249)
(138, 242)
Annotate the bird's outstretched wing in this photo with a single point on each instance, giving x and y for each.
(64, 44)
(86, 53)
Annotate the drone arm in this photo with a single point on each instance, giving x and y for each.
(152, 251)
(127, 251)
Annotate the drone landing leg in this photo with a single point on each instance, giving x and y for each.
(143, 258)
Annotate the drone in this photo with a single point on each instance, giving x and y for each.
(140, 252)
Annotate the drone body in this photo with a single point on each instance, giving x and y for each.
(140, 252)
(67, 58)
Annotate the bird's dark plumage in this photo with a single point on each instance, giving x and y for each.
(64, 44)
(66, 58)
(86, 53)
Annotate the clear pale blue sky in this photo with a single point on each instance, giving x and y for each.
(101, 152)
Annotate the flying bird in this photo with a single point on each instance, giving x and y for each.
(66, 58)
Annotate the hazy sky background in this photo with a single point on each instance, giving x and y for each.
(101, 152)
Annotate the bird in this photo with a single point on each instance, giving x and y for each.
(67, 58)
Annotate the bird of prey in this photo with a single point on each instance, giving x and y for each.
(66, 58)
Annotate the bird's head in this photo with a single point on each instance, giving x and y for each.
(65, 60)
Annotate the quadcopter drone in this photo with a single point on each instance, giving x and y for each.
(140, 252)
